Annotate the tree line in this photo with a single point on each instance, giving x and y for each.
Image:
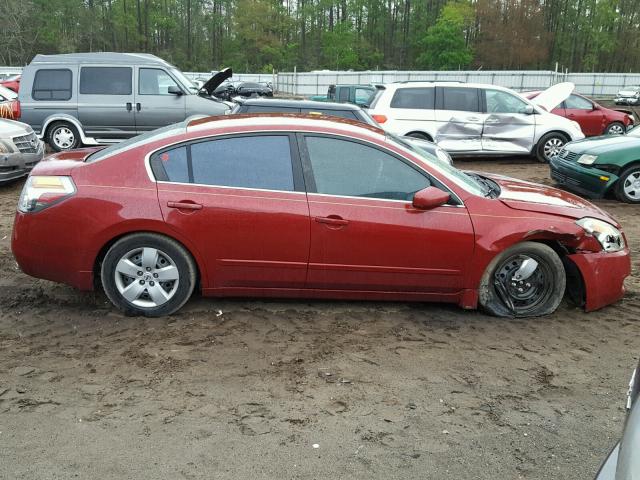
(261, 35)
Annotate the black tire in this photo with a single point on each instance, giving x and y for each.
(170, 254)
(540, 294)
(556, 138)
(62, 136)
(615, 128)
(627, 175)
(420, 136)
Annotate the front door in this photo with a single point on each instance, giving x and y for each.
(459, 119)
(581, 110)
(508, 128)
(106, 102)
(365, 233)
(241, 200)
(155, 107)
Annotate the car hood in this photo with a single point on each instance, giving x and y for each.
(11, 128)
(534, 197)
(604, 144)
(553, 96)
(215, 81)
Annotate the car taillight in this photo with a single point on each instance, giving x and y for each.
(379, 118)
(15, 109)
(40, 192)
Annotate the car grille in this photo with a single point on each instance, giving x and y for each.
(567, 155)
(564, 179)
(27, 143)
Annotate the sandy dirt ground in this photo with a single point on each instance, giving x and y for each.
(249, 389)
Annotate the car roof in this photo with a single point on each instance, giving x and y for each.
(442, 83)
(100, 57)
(300, 104)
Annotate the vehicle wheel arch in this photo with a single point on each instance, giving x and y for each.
(62, 117)
(426, 135)
(99, 257)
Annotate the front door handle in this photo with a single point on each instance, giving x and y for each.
(185, 205)
(473, 119)
(492, 121)
(138, 106)
(129, 106)
(332, 220)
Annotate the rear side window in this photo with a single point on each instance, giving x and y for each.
(461, 99)
(172, 165)
(346, 168)
(105, 80)
(52, 85)
(422, 98)
(246, 162)
(334, 113)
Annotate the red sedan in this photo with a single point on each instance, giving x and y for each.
(593, 118)
(295, 206)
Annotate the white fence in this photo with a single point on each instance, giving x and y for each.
(317, 83)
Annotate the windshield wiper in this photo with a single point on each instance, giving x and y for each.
(490, 190)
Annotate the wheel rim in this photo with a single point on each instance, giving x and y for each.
(64, 138)
(552, 147)
(631, 185)
(616, 130)
(523, 283)
(146, 277)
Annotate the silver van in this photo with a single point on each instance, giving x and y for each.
(79, 99)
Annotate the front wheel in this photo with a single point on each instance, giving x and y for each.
(627, 187)
(148, 274)
(526, 280)
(616, 128)
(63, 136)
(550, 146)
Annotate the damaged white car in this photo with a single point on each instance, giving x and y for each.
(468, 119)
(20, 150)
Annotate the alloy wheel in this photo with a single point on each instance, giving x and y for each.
(615, 130)
(146, 277)
(552, 147)
(64, 138)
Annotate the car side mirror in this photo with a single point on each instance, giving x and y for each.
(430, 197)
(528, 110)
(174, 90)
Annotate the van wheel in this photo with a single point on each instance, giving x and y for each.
(148, 274)
(550, 145)
(63, 136)
(526, 280)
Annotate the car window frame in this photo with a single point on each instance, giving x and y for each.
(310, 182)
(33, 85)
(296, 164)
(131, 79)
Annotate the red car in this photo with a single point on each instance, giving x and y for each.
(12, 83)
(312, 207)
(593, 118)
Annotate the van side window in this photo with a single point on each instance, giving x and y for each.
(422, 98)
(105, 80)
(52, 85)
(460, 98)
(154, 81)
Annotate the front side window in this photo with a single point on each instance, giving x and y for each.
(105, 80)
(154, 81)
(52, 85)
(575, 102)
(503, 102)
(422, 98)
(246, 162)
(346, 168)
(460, 99)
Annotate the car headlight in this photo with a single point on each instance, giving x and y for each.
(587, 159)
(443, 156)
(609, 237)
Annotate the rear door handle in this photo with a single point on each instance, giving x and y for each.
(129, 106)
(138, 106)
(185, 205)
(333, 220)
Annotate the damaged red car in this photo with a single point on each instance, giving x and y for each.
(307, 207)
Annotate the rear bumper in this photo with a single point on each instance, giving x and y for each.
(603, 274)
(587, 181)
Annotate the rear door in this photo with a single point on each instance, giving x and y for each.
(413, 110)
(507, 126)
(105, 101)
(460, 119)
(583, 111)
(241, 201)
(154, 106)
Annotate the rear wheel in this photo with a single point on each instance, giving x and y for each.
(615, 128)
(63, 136)
(627, 187)
(526, 280)
(148, 274)
(550, 145)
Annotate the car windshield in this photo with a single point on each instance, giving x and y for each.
(184, 80)
(466, 181)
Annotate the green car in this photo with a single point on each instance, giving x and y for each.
(598, 165)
